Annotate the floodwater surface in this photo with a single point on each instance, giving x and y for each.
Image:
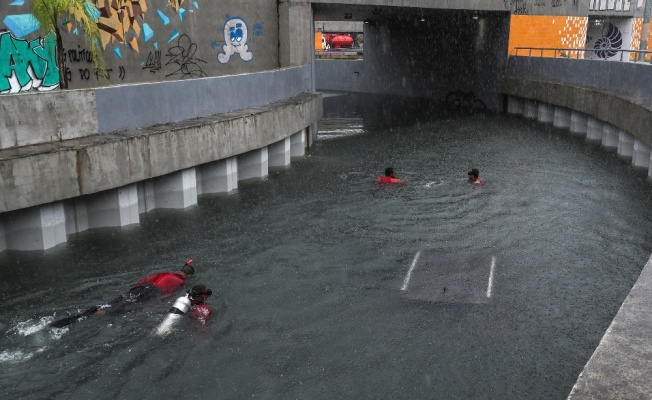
(330, 286)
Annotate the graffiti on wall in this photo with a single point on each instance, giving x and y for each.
(182, 57)
(27, 65)
(610, 5)
(235, 41)
(609, 41)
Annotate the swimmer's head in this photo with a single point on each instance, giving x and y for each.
(187, 268)
(389, 171)
(200, 293)
(474, 173)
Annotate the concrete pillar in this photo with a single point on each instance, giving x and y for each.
(546, 113)
(625, 144)
(298, 143)
(295, 33)
(279, 153)
(515, 105)
(595, 129)
(176, 190)
(3, 240)
(531, 110)
(219, 176)
(579, 123)
(253, 164)
(36, 228)
(562, 118)
(642, 154)
(146, 196)
(76, 215)
(609, 136)
(114, 207)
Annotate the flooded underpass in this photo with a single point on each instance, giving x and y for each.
(329, 285)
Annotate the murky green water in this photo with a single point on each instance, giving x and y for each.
(308, 267)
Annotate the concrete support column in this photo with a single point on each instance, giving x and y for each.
(219, 176)
(562, 118)
(298, 143)
(642, 154)
(279, 153)
(609, 136)
(76, 215)
(595, 129)
(531, 110)
(146, 196)
(176, 190)
(625, 144)
(3, 240)
(579, 123)
(253, 164)
(515, 105)
(546, 113)
(36, 228)
(295, 32)
(115, 207)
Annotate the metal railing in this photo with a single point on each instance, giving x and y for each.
(626, 55)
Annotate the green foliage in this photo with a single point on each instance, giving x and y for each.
(78, 12)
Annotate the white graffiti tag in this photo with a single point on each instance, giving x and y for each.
(235, 36)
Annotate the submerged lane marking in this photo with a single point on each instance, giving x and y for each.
(490, 285)
(409, 274)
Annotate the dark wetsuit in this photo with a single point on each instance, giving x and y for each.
(163, 283)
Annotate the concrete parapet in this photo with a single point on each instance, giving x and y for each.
(46, 173)
(546, 113)
(562, 118)
(610, 136)
(642, 155)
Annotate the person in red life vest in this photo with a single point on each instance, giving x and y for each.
(199, 310)
(160, 284)
(390, 177)
(474, 177)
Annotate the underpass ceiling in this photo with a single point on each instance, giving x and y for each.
(343, 12)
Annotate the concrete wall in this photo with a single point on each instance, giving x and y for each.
(157, 40)
(449, 51)
(607, 91)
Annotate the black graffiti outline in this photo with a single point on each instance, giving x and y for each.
(153, 62)
(183, 55)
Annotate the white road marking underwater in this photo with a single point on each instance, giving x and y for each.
(409, 274)
(490, 285)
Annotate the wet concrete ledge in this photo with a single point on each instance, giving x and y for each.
(620, 366)
(49, 172)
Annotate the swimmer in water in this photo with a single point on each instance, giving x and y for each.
(390, 177)
(473, 177)
(161, 284)
(193, 304)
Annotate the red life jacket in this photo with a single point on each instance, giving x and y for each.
(164, 282)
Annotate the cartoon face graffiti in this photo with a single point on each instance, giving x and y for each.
(235, 37)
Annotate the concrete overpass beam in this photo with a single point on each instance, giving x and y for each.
(298, 143)
(545, 113)
(579, 123)
(515, 105)
(595, 129)
(625, 144)
(279, 153)
(36, 228)
(115, 207)
(253, 164)
(176, 190)
(562, 118)
(219, 176)
(642, 154)
(609, 136)
(531, 110)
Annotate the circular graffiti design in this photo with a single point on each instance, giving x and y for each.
(609, 43)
